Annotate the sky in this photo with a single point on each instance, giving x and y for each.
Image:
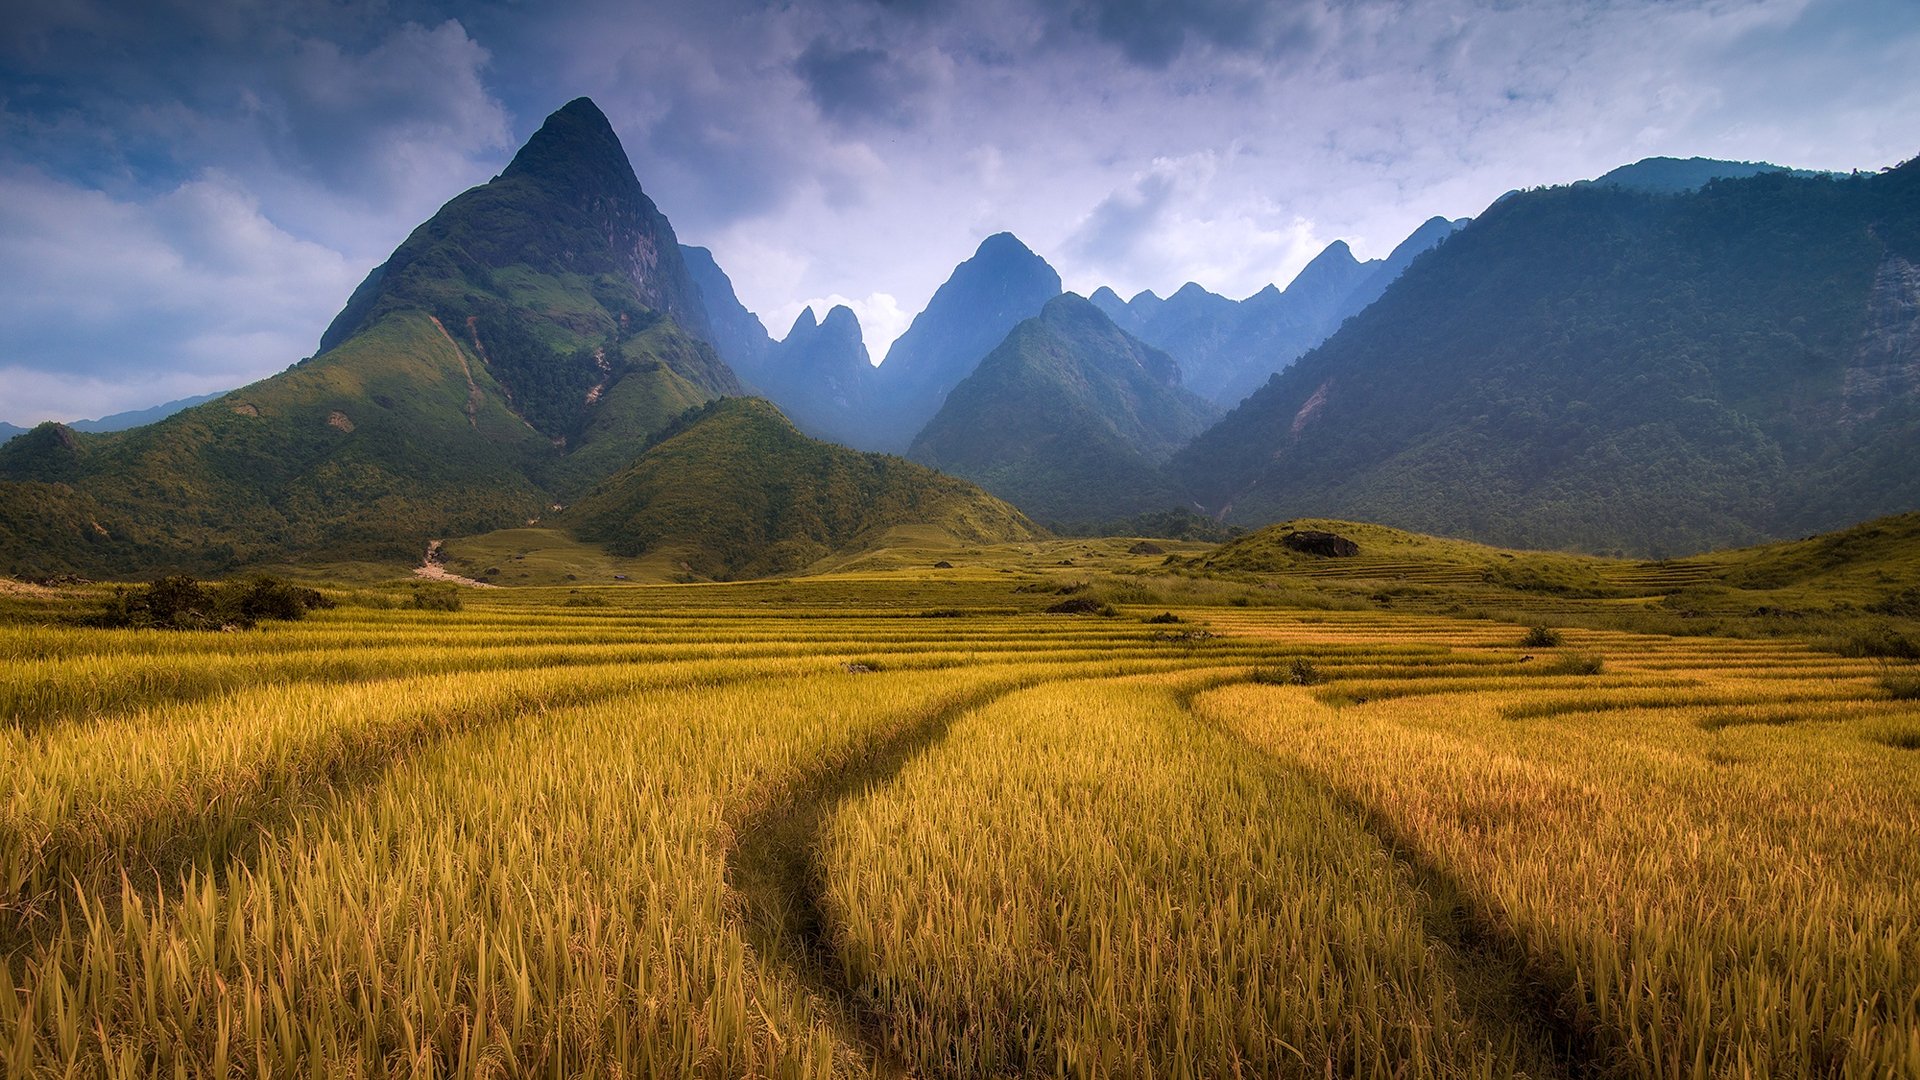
(189, 189)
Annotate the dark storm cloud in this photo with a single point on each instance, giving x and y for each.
(1154, 32)
(860, 84)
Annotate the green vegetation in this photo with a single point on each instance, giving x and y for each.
(514, 351)
(1610, 370)
(181, 603)
(1069, 419)
(734, 490)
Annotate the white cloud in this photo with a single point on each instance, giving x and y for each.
(192, 291)
(882, 319)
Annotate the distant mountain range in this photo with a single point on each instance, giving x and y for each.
(1227, 349)
(121, 421)
(1680, 354)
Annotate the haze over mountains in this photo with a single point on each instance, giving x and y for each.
(1657, 361)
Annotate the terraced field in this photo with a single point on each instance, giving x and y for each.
(873, 826)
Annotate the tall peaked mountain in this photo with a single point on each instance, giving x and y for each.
(987, 295)
(734, 490)
(1227, 349)
(1069, 418)
(1602, 368)
(517, 347)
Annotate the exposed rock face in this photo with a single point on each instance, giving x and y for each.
(1886, 366)
(1324, 544)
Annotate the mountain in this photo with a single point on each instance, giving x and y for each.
(1227, 349)
(1674, 176)
(737, 334)
(1069, 418)
(1601, 368)
(119, 421)
(735, 490)
(987, 295)
(519, 346)
(821, 376)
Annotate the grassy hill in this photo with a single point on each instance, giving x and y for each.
(1855, 590)
(734, 490)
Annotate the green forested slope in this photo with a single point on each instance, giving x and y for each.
(1605, 369)
(737, 491)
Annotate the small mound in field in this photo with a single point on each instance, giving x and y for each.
(1146, 547)
(1081, 605)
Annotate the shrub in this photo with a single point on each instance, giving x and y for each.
(437, 598)
(1541, 637)
(264, 597)
(1575, 664)
(1904, 686)
(586, 601)
(179, 602)
(1082, 605)
(1883, 641)
(1165, 617)
(1297, 672)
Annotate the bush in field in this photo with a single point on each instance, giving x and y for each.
(436, 598)
(181, 603)
(1903, 686)
(1298, 672)
(1882, 641)
(1541, 637)
(1575, 664)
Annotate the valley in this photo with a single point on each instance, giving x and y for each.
(895, 819)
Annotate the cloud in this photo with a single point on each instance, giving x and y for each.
(860, 84)
(861, 148)
(185, 293)
(882, 319)
(1153, 33)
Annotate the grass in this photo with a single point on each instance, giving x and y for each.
(799, 828)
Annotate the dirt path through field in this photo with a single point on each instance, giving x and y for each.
(775, 868)
(433, 569)
(1511, 995)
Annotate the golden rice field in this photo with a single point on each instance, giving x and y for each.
(800, 830)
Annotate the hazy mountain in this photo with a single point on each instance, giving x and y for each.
(821, 376)
(518, 346)
(1673, 176)
(737, 334)
(987, 295)
(1068, 418)
(120, 421)
(1603, 368)
(734, 490)
(1227, 349)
